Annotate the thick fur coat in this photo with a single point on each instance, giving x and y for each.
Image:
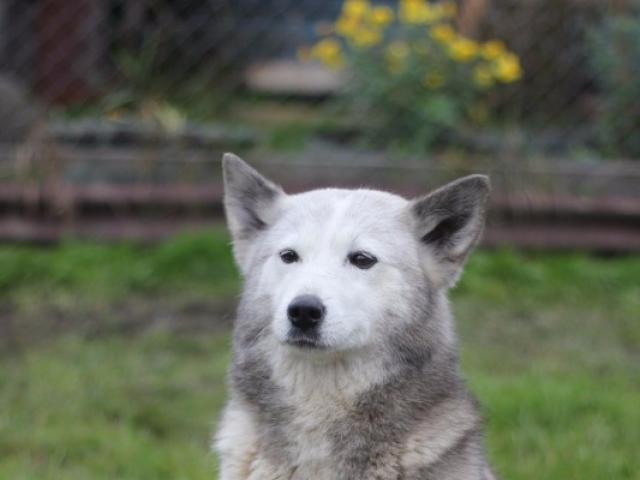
(367, 385)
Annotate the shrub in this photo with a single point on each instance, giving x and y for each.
(412, 76)
(615, 47)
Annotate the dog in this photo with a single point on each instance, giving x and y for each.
(345, 363)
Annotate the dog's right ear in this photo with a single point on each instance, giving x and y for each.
(449, 222)
(250, 202)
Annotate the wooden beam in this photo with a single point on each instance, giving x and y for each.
(472, 14)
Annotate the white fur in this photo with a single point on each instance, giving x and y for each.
(355, 300)
(324, 227)
(236, 442)
(321, 390)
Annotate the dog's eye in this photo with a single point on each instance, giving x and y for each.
(362, 260)
(289, 256)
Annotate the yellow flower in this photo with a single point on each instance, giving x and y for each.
(443, 33)
(353, 14)
(366, 37)
(381, 16)
(493, 49)
(329, 52)
(507, 69)
(347, 26)
(355, 8)
(418, 11)
(463, 49)
(433, 80)
(483, 76)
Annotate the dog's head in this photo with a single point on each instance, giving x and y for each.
(336, 269)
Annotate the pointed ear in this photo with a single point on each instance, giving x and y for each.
(250, 202)
(448, 223)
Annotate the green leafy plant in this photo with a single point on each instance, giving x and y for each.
(615, 55)
(410, 74)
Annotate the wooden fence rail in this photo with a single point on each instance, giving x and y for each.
(150, 212)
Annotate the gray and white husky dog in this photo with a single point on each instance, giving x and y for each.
(345, 362)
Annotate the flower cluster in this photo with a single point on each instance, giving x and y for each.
(420, 29)
(414, 79)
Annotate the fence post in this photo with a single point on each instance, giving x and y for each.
(472, 13)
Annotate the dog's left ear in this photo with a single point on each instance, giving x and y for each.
(449, 222)
(251, 204)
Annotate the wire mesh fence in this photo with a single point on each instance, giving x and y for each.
(115, 92)
(198, 59)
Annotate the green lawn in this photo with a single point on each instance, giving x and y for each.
(551, 345)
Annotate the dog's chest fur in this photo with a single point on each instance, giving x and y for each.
(310, 446)
(321, 398)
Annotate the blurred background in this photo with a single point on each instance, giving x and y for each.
(117, 287)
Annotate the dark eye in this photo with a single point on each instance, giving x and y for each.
(362, 260)
(289, 256)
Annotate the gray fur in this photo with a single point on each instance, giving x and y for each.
(249, 201)
(392, 407)
(451, 219)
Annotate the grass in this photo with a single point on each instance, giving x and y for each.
(112, 408)
(551, 345)
(91, 272)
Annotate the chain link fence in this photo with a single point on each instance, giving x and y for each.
(112, 92)
(207, 60)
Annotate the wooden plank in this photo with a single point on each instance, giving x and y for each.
(290, 77)
(519, 217)
(189, 195)
(564, 237)
(594, 237)
(472, 14)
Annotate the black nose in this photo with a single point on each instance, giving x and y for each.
(306, 312)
